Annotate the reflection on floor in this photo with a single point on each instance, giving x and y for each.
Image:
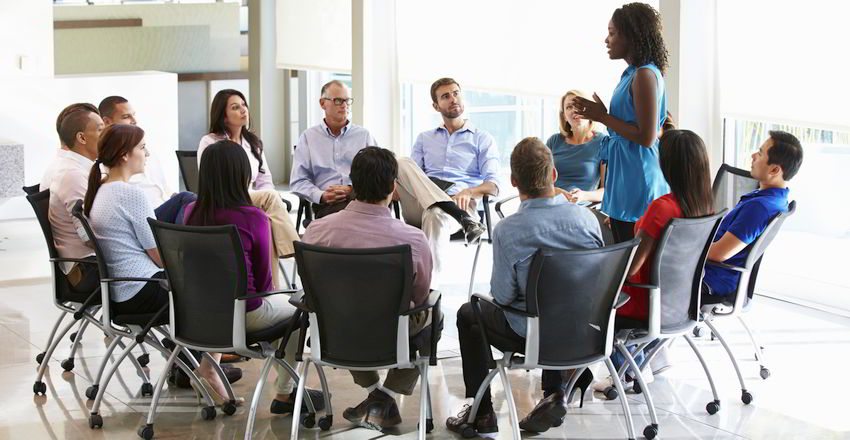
(803, 348)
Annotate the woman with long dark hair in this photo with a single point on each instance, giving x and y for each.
(229, 120)
(684, 164)
(637, 112)
(224, 199)
(118, 212)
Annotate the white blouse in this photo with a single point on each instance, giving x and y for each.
(258, 180)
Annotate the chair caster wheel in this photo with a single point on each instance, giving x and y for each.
(39, 388)
(764, 373)
(429, 425)
(699, 331)
(208, 412)
(39, 358)
(146, 432)
(147, 390)
(611, 393)
(636, 387)
(68, 364)
(326, 422)
(309, 420)
(144, 360)
(746, 397)
(95, 421)
(91, 392)
(712, 407)
(73, 337)
(650, 432)
(229, 408)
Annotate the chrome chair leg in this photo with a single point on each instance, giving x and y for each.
(714, 406)
(746, 396)
(255, 399)
(423, 400)
(624, 402)
(58, 322)
(645, 391)
(48, 354)
(473, 410)
(474, 266)
(509, 397)
(763, 371)
(299, 397)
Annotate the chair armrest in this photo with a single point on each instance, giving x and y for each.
(297, 300)
(643, 286)
(149, 280)
(287, 203)
(487, 298)
(73, 260)
(141, 336)
(595, 205)
(263, 294)
(727, 266)
(431, 301)
(500, 202)
(622, 299)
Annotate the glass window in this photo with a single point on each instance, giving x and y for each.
(806, 261)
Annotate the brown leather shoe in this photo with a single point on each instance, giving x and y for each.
(485, 423)
(378, 411)
(549, 412)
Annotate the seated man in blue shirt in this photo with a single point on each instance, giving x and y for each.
(774, 164)
(545, 220)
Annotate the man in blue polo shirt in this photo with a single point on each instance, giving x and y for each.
(774, 164)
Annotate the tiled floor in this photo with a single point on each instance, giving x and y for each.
(806, 351)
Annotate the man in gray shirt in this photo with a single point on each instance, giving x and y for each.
(545, 220)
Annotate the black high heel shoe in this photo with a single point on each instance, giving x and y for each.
(582, 384)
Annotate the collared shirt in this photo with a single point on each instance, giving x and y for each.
(364, 225)
(577, 165)
(258, 180)
(746, 221)
(547, 222)
(67, 185)
(322, 159)
(466, 157)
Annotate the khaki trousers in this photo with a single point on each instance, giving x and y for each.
(283, 232)
(276, 308)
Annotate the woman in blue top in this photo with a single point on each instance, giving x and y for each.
(576, 153)
(638, 109)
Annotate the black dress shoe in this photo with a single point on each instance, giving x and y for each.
(485, 423)
(181, 380)
(549, 412)
(281, 407)
(378, 411)
(472, 230)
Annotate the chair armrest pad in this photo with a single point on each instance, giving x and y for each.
(430, 302)
(149, 280)
(621, 299)
(297, 300)
(500, 202)
(487, 298)
(263, 294)
(643, 286)
(73, 260)
(727, 266)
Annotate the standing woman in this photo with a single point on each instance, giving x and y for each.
(229, 120)
(638, 109)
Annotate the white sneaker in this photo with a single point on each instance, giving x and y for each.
(602, 385)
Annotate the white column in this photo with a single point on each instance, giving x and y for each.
(374, 71)
(693, 83)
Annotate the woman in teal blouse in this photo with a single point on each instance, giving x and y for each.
(575, 150)
(638, 110)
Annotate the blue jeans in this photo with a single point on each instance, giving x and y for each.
(171, 210)
(618, 359)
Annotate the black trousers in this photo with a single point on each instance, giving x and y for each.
(324, 209)
(623, 231)
(84, 277)
(474, 353)
(150, 299)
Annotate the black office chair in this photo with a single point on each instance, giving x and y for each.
(715, 306)
(136, 328)
(674, 300)
(30, 190)
(358, 318)
(571, 297)
(82, 306)
(208, 280)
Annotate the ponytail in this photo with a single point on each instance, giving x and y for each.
(95, 181)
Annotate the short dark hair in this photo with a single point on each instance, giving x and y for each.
(440, 83)
(531, 166)
(329, 84)
(787, 152)
(70, 109)
(73, 123)
(373, 171)
(107, 106)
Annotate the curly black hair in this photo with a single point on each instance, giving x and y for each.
(641, 25)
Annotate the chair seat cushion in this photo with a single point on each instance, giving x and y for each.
(268, 334)
(141, 320)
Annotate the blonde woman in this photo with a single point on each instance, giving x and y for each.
(575, 150)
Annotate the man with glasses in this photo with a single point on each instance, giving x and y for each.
(324, 153)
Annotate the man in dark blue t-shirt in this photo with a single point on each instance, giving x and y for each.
(774, 164)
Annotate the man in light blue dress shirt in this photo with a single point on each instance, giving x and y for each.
(324, 153)
(545, 220)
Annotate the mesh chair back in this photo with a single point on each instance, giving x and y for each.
(357, 296)
(61, 287)
(758, 247)
(77, 211)
(573, 293)
(188, 161)
(206, 271)
(677, 268)
(730, 184)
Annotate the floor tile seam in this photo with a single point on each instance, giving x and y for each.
(637, 400)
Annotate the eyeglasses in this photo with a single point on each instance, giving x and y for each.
(340, 101)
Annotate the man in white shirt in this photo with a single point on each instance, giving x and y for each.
(47, 177)
(169, 205)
